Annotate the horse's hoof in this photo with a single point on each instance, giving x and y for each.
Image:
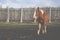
(38, 32)
(44, 33)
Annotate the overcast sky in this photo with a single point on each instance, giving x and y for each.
(29, 3)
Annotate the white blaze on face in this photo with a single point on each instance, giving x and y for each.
(34, 14)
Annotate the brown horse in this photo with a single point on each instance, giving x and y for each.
(42, 18)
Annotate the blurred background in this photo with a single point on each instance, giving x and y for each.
(23, 10)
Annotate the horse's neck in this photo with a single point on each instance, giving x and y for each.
(42, 11)
(38, 12)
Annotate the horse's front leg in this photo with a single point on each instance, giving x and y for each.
(39, 28)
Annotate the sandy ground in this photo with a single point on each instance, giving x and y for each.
(29, 33)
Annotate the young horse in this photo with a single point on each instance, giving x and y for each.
(42, 18)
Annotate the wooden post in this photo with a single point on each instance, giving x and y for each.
(7, 14)
(50, 16)
(21, 15)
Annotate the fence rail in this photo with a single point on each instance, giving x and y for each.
(26, 14)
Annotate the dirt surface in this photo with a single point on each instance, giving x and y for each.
(29, 33)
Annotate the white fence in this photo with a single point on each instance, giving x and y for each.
(26, 14)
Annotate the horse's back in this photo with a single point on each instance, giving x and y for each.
(46, 18)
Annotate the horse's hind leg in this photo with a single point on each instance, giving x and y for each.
(44, 29)
(39, 28)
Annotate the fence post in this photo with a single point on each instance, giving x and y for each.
(50, 15)
(7, 14)
(21, 15)
(15, 13)
(0, 11)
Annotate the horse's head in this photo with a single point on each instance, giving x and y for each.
(37, 13)
(34, 16)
